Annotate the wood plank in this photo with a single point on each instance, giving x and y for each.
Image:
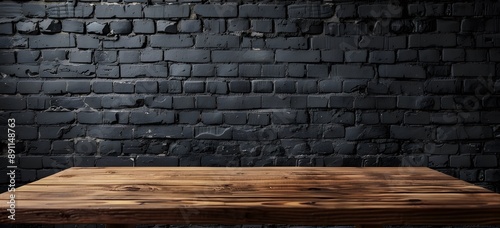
(271, 195)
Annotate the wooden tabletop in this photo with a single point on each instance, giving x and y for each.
(270, 195)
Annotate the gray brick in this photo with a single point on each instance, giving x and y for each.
(235, 118)
(460, 161)
(183, 103)
(240, 86)
(171, 41)
(80, 56)
(151, 55)
(165, 26)
(157, 161)
(203, 70)
(120, 27)
(78, 86)
(227, 70)
(107, 71)
(17, 42)
(307, 86)
(180, 70)
(410, 132)
(54, 87)
(190, 26)
(110, 148)
(492, 146)
(401, 71)
(82, 10)
(472, 69)
(275, 102)
(8, 87)
(217, 41)
(446, 133)
(330, 86)
(289, 117)
(194, 87)
(166, 11)
(25, 56)
(418, 102)
(356, 56)
(110, 132)
(310, 26)
(187, 55)
(447, 26)
(146, 87)
(286, 43)
(238, 24)
(429, 55)
(242, 56)
(345, 10)
(442, 86)
(87, 42)
(310, 10)
(128, 56)
(62, 147)
(214, 26)
(143, 26)
(217, 87)
(417, 118)
(164, 102)
(317, 70)
(86, 117)
(284, 86)
(239, 103)
(171, 86)
(189, 117)
(274, 71)
(52, 41)
(102, 87)
(492, 175)
(296, 70)
(432, 40)
(10, 9)
(265, 25)
(119, 11)
(152, 117)
(332, 56)
(352, 71)
(365, 132)
(262, 10)
(6, 28)
(487, 161)
(216, 10)
(55, 117)
(50, 26)
(382, 57)
(109, 161)
(262, 86)
(73, 26)
(380, 11)
(211, 118)
(137, 41)
(206, 102)
(33, 10)
(463, 9)
(123, 87)
(285, 26)
(297, 56)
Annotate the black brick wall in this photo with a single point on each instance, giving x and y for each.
(252, 83)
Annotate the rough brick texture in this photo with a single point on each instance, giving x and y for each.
(195, 82)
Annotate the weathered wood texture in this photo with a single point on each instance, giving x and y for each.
(271, 195)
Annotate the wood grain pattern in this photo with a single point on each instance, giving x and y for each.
(270, 195)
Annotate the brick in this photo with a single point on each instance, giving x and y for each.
(332, 56)
(143, 70)
(80, 56)
(189, 117)
(263, 26)
(50, 26)
(447, 26)
(108, 148)
(165, 26)
(354, 56)
(86, 117)
(25, 56)
(171, 41)
(285, 26)
(6, 28)
(492, 146)
(123, 87)
(235, 118)
(214, 26)
(113, 161)
(286, 43)
(227, 70)
(410, 132)
(203, 70)
(171, 86)
(137, 41)
(33, 10)
(463, 9)
(297, 56)
(442, 86)
(146, 87)
(166, 11)
(143, 26)
(82, 10)
(284, 86)
(180, 70)
(299, 132)
(238, 24)
(487, 161)
(307, 86)
(432, 40)
(128, 56)
(261, 86)
(274, 71)
(310, 26)
(275, 102)
(55, 117)
(250, 70)
(54, 87)
(429, 55)
(460, 161)
(317, 71)
(239, 86)
(73, 26)
(242, 56)
(206, 102)
(152, 117)
(380, 11)
(217, 87)
(289, 117)
(239, 103)
(62, 147)
(120, 27)
(217, 41)
(212, 118)
(15, 42)
(87, 42)
(183, 102)
(310, 10)
(472, 69)
(158, 102)
(418, 102)
(365, 132)
(119, 11)
(156, 161)
(262, 10)
(78, 86)
(110, 132)
(382, 57)
(52, 41)
(216, 10)
(352, 71)
(446, 133)
(187, 55)
(190, 26)
(401, 71)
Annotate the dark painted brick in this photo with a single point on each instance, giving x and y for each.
(72, 26)
(137, 41)
(187, 55)
(212, 118)
(289, 117)
(52, 41)
(166, 11)
(152, 117)
(78, 86)
(141, 70)
(214, 26)
(239, 103)
(119, 11)
(365, 132)
(194, 87)
(50, 26)
(82, 10)
(352, 71)
(203, 70)
(380, 11)
(120, 27)
(472, 69)
(190, 26)
(143, 26)
(260, 86)
(180, 70)
(401, 71)
(261, 25)
(487, 161)
(242, 56)
(217, 41)
(109, 161)
(55, 117)
(310, 10)
(307, 86)
(97, 28)
(216, 10)
(160, 161)
(410, 132)
(284, 86)
(235, 118)
(33, 10)
(297, 56)
(240, 86)
(262, 10)
(17, 42)
(276, 102)
(87, 42)
(238, 24)
(460, 161)
(6, 28)
(432, 40)
(332, 56)
(85, 117)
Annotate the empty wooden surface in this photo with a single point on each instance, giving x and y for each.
(269, 195)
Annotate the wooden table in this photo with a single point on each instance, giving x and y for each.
(271, 195)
